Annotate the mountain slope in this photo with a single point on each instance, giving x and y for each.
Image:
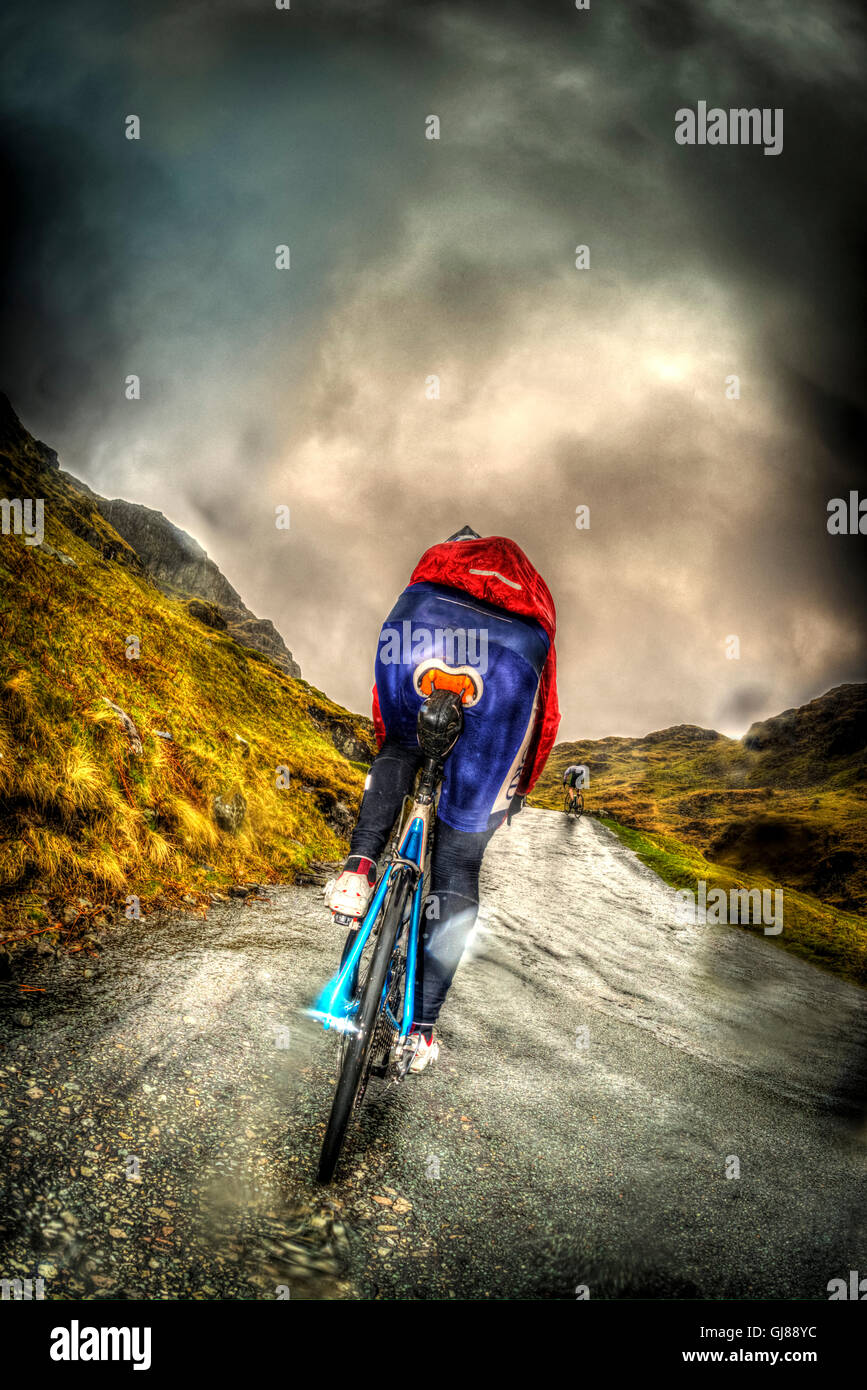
(179, 765)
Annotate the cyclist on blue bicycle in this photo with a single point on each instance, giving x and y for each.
(476, 618)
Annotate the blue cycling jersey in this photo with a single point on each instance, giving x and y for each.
(432, 625)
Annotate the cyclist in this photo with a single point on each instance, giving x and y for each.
(573, 781)
(477, 618)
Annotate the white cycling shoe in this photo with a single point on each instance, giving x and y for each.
(349, 895)
(424, 1052)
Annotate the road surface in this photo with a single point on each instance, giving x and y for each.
(603, 1069)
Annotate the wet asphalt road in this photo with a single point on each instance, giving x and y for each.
(601, 1066)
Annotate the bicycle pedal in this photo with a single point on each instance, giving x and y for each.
(401, 1062)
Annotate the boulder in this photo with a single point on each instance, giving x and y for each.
(207, 613)
(229, 812)
(356, 744)
(60, 555)
(335, 812)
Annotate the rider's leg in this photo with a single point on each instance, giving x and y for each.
(388, 782)
(480, 777)
(449, 915)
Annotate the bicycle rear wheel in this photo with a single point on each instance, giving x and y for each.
(354, 1070)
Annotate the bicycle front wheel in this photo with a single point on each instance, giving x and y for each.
(356, 1059)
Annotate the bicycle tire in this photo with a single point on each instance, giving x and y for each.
(355, 1065)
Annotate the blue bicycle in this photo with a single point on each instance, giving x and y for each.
(370, 1001)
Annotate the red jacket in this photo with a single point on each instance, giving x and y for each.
(497, 570)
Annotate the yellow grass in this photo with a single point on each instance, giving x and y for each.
(82, 814)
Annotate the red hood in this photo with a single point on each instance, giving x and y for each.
(494, 569)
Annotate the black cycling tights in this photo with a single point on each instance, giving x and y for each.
(449, 913)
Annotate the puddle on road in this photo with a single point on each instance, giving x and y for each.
(170, 1051)
(299, 1252)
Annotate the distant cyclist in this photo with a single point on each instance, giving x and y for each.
(573, 781)
(478, 619)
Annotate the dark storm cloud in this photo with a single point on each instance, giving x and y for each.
(744, 704)
(122, 252)
(412, 257)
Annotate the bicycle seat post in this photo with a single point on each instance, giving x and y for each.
(440, 725)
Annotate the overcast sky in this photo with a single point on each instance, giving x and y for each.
(560, 388)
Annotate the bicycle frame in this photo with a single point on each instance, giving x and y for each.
(334, 1007)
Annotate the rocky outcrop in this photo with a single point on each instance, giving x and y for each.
(16, 437)
(137, 537)
(356, 742)
(206, 613)
(353, 745)
(182, 569)
(262, 636)
(832, 726)
(26, 462)
(171, 557)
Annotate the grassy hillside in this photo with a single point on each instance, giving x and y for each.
(785, 806)
(91, 812)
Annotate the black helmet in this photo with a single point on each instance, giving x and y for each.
(466, 533)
